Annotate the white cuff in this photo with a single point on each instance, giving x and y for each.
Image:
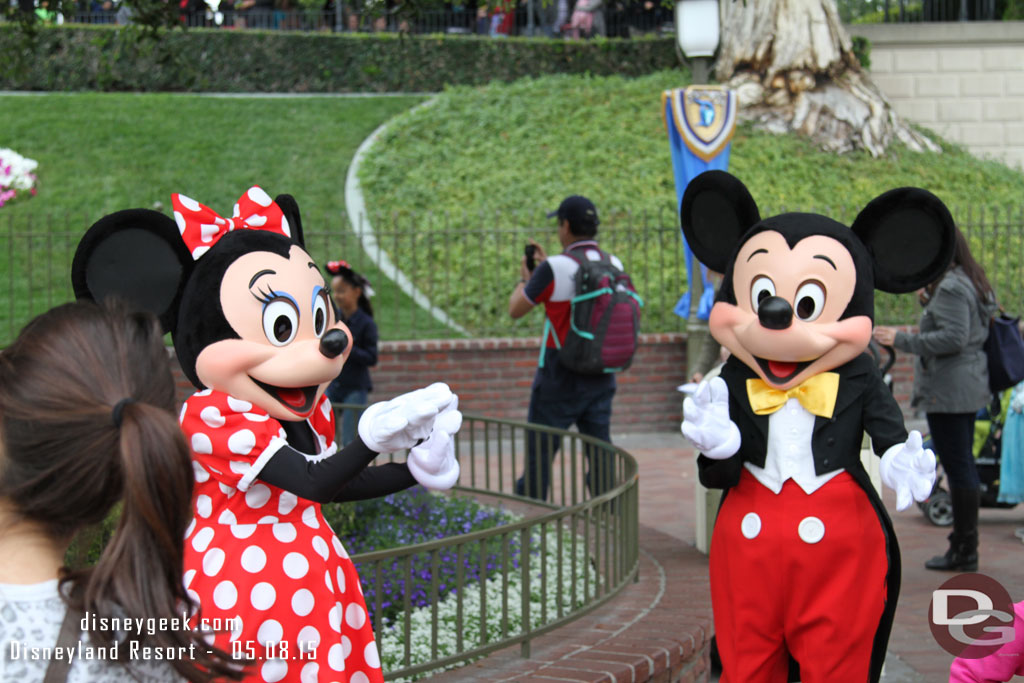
(276, 444)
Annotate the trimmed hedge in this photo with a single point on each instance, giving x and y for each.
(210, 60)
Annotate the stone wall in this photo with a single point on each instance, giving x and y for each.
(964, 80)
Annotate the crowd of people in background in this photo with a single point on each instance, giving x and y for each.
(570, 19)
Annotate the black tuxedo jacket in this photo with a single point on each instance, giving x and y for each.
(863, 403)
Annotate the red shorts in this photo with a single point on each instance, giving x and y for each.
(797, 574)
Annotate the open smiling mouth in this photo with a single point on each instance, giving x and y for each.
(781, 371)
(299, 400)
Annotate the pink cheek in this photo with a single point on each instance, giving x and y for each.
(724, 319)
(222, 361)
(853, 331)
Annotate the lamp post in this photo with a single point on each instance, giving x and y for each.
(697, 32)
(700, 120)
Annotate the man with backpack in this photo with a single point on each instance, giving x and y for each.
(590, 333)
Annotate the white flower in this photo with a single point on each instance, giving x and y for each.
(392, 643)
(16, 174)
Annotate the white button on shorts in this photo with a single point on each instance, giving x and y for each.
(811, 530)
(751, 525)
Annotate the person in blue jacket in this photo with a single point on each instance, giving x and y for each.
(351, 293)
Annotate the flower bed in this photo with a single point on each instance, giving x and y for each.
(17, 177)
(542, 608)
(417, 516)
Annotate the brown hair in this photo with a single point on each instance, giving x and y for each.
(65, 462)
(972, 269)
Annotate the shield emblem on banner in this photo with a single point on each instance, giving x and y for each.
(705, 118)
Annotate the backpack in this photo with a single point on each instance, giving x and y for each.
(604, 319)
(1004, 349)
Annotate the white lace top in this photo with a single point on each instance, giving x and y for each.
(30, 621)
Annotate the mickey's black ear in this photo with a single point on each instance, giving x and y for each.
(290, 208)
(715, 212)
(910, 235)
(137, 256)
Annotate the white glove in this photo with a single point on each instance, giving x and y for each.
(404, 421)
(706, 420)
(909, 470)
(433, 462)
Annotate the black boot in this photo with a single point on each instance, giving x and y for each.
(962, 555)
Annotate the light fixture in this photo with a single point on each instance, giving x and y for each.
(697, 27)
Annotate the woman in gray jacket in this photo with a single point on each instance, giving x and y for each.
(951, 385)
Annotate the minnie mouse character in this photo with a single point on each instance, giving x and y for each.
(254, 330)
(804, 561)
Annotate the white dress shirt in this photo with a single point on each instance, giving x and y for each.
(789, 451)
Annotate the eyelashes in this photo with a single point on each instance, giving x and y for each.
(265, 297)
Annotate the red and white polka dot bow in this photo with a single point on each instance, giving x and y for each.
(201, 227)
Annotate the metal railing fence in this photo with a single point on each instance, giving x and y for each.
(465, 267)
(919, 10)
(512, 583)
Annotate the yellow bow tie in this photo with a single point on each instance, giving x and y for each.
(817, 395)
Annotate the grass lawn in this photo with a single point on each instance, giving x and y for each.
(453, 190)
(99, 153)
(509, 152)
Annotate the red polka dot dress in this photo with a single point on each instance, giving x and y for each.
(264, 557)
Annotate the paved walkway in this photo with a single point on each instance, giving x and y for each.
(667, 612)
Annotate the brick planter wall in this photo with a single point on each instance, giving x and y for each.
(493, 376)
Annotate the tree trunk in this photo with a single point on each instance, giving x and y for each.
(792, 65)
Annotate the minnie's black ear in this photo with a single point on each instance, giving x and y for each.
(910, 235)
(290, 208)
(137, 256)
(715, 212)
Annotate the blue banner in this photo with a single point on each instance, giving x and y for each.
(700, 122)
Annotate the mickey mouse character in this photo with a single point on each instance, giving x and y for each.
(254, 330)
(804, 561)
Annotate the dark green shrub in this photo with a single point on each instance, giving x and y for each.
(203, 60)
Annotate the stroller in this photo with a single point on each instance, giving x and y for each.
(988, 433)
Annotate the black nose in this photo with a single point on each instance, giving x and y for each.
(775, 313)
(333, 343)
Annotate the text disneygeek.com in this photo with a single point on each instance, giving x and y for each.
(124, 628)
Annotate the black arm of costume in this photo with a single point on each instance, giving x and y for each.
(374, 482)
(719, 474)
(342, 476)
(883, 417)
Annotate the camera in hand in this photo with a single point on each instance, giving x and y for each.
(531, 251)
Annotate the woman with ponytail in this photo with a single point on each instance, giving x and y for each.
(87, 420)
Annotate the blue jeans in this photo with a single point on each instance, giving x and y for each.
(349, 418)
(592, 413)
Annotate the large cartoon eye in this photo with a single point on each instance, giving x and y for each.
(810, 300)
(762, 288)
(280, 321)
(320, 312)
